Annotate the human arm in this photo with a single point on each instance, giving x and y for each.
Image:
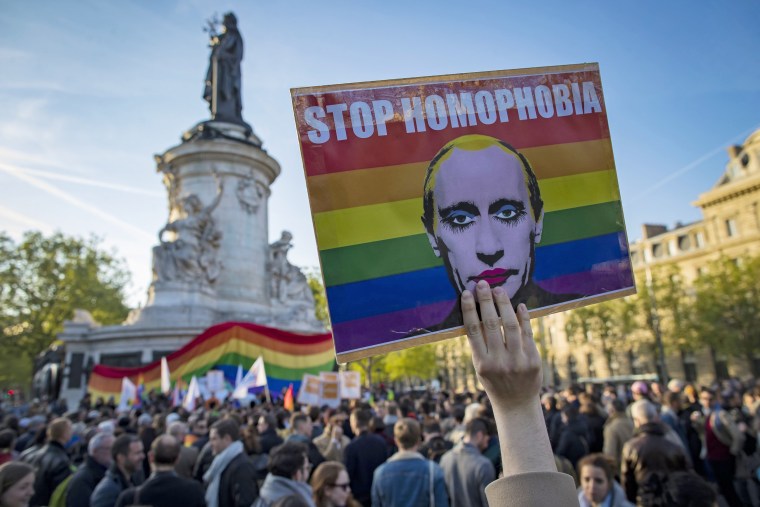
(439, 488)
(508, 365)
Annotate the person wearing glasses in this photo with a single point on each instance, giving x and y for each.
(331, 486)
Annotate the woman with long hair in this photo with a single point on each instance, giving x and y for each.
(332, 486)
(16, 484)
(598, 486)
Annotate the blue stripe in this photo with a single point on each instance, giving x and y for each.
(579, 256)
(359, 300)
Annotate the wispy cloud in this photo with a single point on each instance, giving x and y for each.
(25, 220)
(89, 182)
(76, 202)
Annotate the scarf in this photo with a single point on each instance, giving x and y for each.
(214, 474)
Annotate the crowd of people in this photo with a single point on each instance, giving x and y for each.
(644, 444)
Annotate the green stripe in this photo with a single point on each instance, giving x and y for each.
(367, 261)
(278, 372)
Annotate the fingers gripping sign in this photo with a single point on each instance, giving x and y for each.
(504, 353)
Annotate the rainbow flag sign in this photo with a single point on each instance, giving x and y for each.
(419, 188)
(287, 356)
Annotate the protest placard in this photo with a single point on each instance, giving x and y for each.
(350, 385)
(215, 381)
(309, 394)
(419, 188)
(329, 392)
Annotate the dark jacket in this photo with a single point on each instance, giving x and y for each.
(573, 441)
(238, 486)
(110, 487)
(165, 489)
(315, 457)
(362, 456)
(83, 483)
(53, 466)
(269, 439)
(648, 451)
(203, 462)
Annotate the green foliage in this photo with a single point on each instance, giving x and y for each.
(415, 363)
(314, 279)
(44, 279)
(727, 307)
(372, 369)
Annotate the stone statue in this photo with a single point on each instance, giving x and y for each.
(222, 90)
(288, 283)
(192, 255)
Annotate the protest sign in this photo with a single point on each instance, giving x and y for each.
(329, 376)
(329, 393)
(421, 187)
(350, 385)
(214, 381)
(309, 394)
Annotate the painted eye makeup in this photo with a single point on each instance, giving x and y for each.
(508, 213)
(459, 219)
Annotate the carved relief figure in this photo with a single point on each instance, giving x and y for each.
(193, 254)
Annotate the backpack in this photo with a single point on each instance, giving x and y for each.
(58, 498)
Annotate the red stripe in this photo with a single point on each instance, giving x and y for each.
(398, 147)
(211, 333)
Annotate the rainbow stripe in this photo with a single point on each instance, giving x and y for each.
(380, 272)
(287, 357)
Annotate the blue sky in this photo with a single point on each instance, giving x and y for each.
(90, 90)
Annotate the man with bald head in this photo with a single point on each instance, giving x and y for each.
(650, 452)
(164, 488)
(483, 215)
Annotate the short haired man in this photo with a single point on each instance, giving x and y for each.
(434, 445)
(187, 454)
(53, 463)
(483, 215)
(268, 437)
(289, 471)
(125, 471)
(649, 451)
(408, 478)
(164, 488)
(466, 470)
(93, 470)
(363, 455)
(301, 426)
(231, 478)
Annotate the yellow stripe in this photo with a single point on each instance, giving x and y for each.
(243, 347)
(362, 187)
(377, 222)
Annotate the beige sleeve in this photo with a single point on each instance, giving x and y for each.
(535, 489)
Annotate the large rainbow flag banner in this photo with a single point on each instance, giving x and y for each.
(421, 187)
(287, 356)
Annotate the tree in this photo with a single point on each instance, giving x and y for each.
(44, 279)
(727, 307)
(314, 278)
(414, 363)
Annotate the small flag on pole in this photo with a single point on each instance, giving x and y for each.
(287, 401)
(193, 392)
(166, 382)
(256, 377)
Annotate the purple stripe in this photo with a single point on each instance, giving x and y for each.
(604, 277)
(388, 327)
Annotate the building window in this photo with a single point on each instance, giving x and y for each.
(684, 243)
(699, 239)
(633, 363)
(745, 160)
(634, 257)
(572, 366)
(657, 250)
(721, 368)
(689, 363)
(731, 229)
(590, 363)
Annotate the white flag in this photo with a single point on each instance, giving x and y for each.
(192, 393)
(166, 383)
(128, 394)
(256, 377)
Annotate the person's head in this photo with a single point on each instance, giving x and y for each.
(59, 430)
(178, 430)
(407, 433)
(616, 406)
(164, 452)
(639, 390)
(265, 422)
(331, 484)
(301, 424)
(707, 398)
(549, 402)
(99, 448)
(7, 440)
(290, 460)
(483, 213)
(431, 428)
(360, 419)
(476, 433)
(230, 21)
(643, 412)
(222, 434)
(200, 427)
(128, 453)
(596, 473)
(16, 484)
(672, 400)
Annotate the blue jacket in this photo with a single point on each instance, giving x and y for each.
(405, 481)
